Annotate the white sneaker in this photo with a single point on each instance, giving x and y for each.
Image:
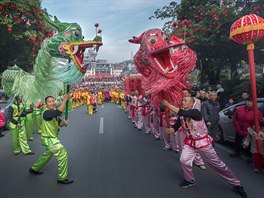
(202, 167)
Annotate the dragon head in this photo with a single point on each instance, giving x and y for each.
(166, 63)
(157, 52)
(69, 43)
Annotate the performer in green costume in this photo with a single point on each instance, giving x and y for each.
(29, 121)
(50, 129)
(17, 127)
(37, 117)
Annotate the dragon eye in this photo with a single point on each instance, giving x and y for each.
(152, 40)
(77, 33)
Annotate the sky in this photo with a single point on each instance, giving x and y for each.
(118, 19)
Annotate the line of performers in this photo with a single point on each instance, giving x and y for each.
(185, 132)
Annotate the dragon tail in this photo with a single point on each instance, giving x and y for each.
(8, 79)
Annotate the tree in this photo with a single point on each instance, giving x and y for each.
(205, 26)
(22, 29)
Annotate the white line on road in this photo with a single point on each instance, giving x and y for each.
(101, 128)
(102, 106)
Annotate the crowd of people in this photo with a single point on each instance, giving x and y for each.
(207, 105)
(188, 130)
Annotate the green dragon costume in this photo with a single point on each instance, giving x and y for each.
(59, 62)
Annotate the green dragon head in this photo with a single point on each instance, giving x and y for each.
(68, 42)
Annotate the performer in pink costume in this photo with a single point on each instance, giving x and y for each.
(165, 135)
(128, 101)
(154, 123)
(198, 141)
(198, 161)
(133, 106)
(176, 146)
(138, 111)
(146, 113)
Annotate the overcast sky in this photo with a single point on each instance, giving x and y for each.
(119, 20)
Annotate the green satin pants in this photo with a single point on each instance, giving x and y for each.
(37, 119)
(19, 139)
(62, 157)
(30, 128)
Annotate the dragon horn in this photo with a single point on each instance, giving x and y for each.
(137, 40)
(56, 23)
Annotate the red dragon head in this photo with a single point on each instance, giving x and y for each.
(165, 62)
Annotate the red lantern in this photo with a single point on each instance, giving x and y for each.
(225, 12)
(33, 48)
(18, 9)
(247, 29)
(9, 29)
(16, 17)
(99, 31)
(96, 25)
(184, 22)
(174, 24)
(256, 9)
(1, 7)
(27, 14)
(33, 39)
(13, 6)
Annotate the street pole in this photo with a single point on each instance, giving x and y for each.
(250, 48)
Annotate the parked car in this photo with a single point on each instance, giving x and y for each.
(226, 130)
(5, 102)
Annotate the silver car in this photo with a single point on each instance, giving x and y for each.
(5, 102)
(226, 130)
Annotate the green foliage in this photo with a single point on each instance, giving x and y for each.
(22, 29)
(205, 26)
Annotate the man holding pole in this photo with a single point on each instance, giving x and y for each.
(49, 137)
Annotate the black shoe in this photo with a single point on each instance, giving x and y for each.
(66, 181)
(30, 153)
(135, 126)
(166, 149)
(156, 139)
(33, 172)
(139, 129)
(240, 190)
(186, 184)
(235, 155)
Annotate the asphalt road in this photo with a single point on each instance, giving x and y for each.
(108, 158)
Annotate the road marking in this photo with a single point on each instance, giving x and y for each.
(102, 106)
(101, 128)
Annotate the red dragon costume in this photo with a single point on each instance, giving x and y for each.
(165, 63)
